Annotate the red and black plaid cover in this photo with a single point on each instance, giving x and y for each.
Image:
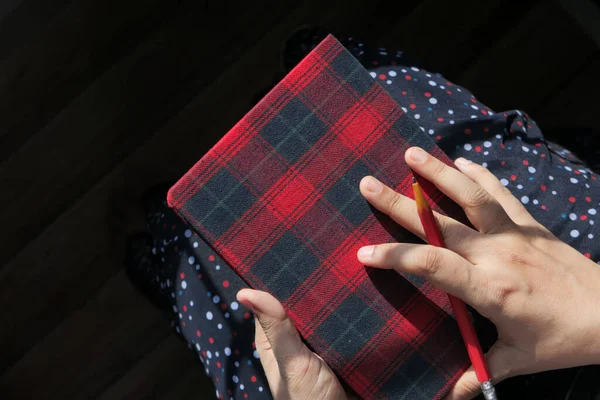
(278, 199)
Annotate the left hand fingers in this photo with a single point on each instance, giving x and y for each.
(485, 212)
(282, 342)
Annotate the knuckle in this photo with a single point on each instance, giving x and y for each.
(475, 197)
(395, 202)
(296, 371)
(428, 260)
(439, 169)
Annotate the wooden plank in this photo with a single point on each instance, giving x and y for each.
(120, 110)
(23, 20)
(161, 371)
(569, 117)
(7, 6)
(433, 26)
(78, 46)
(531, 62)
(191, 385)
(76, 254)
(105, 339)
(575, 104)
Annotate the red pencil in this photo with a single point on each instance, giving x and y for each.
(463, 319)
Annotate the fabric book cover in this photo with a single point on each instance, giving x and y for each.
(278, 199)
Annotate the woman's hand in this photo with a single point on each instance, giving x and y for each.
(542, 295)
(293, 371)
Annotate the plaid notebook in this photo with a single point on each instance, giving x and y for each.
(278, 199)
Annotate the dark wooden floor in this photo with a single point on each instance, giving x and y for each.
(97, 95)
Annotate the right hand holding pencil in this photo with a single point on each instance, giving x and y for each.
(542, 294)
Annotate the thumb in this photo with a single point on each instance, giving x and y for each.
(499, 360)
(282, 338)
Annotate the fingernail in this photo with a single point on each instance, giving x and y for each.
(245, 300)
(418, 155)
(462, 162)
(365, 253)
(373, 185)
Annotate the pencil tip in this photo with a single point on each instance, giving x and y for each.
(414, 180)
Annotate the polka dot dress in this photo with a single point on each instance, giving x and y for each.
(181, 273)
(199, 295)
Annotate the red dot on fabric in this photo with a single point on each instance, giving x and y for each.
(176, 249)
(403, 93)
(486, 129)
(374, 62)
(525, 162)
(393, 63)
(440, 119)
(562, 160)
(381, 76)
(502, 162)
(408, 77)
(198, 333)
(537, 144)
(593, 178)
(543, 207)
(199, 276)
(236, 352)
(588, 255)
(478, 149)
(204, 353)
(211, 258)
(253, 378)
(184, 308)
(543, 187)
(473, 100)
(543, 155)
(529, 126)
(513, 177)
(245, 395)
(449, 92)
(229, 392)
(173, 227)
(438, 137)
(583, 217)
(588, 198)
(182, 275)
(218, 364)
(427, 94)
(217, 380)
(519, 123)
(467, 131)
(211, 340)
(225, 284)
(183, 323)
(502, 146)
(223, 306)
(234, 333)
(253, 345)
(572, 199)
(484, 112)
(577, 172)
(247, 315)
(412, 106)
